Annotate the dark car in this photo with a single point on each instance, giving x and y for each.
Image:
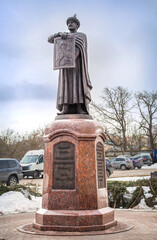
(146, 160)
(137, 162)
(10, 171)
(109, 167)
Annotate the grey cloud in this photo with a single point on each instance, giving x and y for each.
(37, 91)
(27, 91)
(10, 50)
(7, 93)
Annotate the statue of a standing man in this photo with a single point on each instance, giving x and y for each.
(74, 85)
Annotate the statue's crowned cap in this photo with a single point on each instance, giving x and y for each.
(74, 18)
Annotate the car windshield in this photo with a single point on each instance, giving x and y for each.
(29, 159)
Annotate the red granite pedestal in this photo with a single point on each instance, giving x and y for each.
(74, 188)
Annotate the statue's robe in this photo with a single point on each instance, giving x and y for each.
(74, 83)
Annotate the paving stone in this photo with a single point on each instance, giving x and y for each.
(144, 227)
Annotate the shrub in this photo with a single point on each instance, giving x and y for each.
(117, 191)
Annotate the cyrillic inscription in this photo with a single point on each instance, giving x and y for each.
(100, 165)
(64, 166)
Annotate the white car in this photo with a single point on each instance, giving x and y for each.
(33, 163)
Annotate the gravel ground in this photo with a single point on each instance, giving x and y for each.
(133, 173)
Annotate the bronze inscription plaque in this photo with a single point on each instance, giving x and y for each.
(64, 52)
(64, 166)
(100, 165)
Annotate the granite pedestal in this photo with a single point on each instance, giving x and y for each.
(74, 185)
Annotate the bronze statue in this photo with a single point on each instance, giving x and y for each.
(74, 85)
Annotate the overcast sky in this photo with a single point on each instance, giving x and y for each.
(122, 51)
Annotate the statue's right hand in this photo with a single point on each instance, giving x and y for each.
(59, 34)
(52, 37)
(64, 35)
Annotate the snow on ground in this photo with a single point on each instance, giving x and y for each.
(146, 191)
(128, 178)
(142, 205)
(131, 189)
(148, 167)
(15, 202)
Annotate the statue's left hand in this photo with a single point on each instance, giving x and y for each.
(64, 35)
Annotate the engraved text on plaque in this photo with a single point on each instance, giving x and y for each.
(100, 165)
(64, 166)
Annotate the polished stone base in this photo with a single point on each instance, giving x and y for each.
(74, 185)
(73, 116)
(79, 221)
(29, 228)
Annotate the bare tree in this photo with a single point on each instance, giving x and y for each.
(15, 145)
(147, 105)
(33, 140)
(9, 143)
(136, 140)
(114, 114)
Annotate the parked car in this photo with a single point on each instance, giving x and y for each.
(33, 163)
(128, 156)
(122, 163)
(109, 167)
(10, 171)
(144, 154)
(145, 158)
(137, 162)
